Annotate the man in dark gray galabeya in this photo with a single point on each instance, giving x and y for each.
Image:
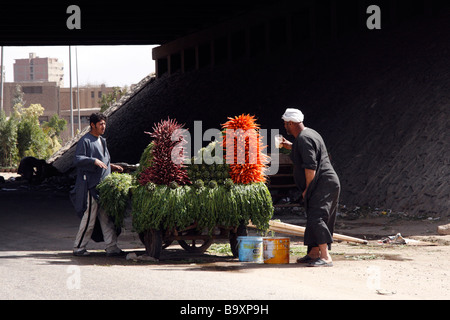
(319, 184)
(93, 164)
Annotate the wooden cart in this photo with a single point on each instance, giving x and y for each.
(190, 239)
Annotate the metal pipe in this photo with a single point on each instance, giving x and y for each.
(71, 99)
(1, 81)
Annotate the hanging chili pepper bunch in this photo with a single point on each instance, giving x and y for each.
(167, 155)
(247, 161)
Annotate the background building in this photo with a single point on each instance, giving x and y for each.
(39, 69)
(44, 93)
(88, 99)
(56, 100)
(41, 81)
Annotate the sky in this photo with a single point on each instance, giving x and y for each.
(110, 65)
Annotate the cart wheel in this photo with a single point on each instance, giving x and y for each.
(240, 232)
(152, 240)
(196, 245)
(165, 243)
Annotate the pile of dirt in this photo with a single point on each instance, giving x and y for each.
(381, 101)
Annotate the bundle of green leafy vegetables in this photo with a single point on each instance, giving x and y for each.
(210, 198)
(161, 207)
(115, 193)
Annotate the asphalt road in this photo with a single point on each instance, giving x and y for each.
(37, 231)
(36, 235)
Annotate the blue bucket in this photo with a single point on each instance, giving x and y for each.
(250, 249)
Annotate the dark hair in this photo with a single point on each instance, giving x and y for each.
(96, 117)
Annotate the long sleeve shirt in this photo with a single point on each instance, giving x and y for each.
(309, 152)
(89, 148)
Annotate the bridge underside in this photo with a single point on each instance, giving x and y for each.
(380, 98)
(102, 23)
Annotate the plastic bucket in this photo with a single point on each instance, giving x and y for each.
(250, 249)
(276, 250)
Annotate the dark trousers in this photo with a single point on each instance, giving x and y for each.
(321, 208)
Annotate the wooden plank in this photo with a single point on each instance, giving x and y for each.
(291, 229)
(444, 230)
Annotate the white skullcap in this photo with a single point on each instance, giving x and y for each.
(293, 115)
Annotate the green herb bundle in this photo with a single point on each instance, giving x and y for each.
(162, 207)
(210, 198)
(115, 194)
(146, 159)
(208, 166)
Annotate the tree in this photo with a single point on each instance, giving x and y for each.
(8, 139)
(53, 129)
(18, 97)
(31, 139)
(21, 135)
(55, 126)
(107, 101)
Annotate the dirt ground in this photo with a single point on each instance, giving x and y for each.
(34, 245)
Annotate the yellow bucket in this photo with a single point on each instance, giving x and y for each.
(276, 250)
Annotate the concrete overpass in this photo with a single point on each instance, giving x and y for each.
(365, 90)
(105, 22)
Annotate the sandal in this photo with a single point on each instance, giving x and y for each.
(320, 263)
(305, 259)
(81, 253)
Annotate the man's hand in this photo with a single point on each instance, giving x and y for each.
(116, 168)
(309, 175)
(284, 143)
(100, 164)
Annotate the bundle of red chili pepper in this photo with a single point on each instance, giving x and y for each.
(248, 160)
